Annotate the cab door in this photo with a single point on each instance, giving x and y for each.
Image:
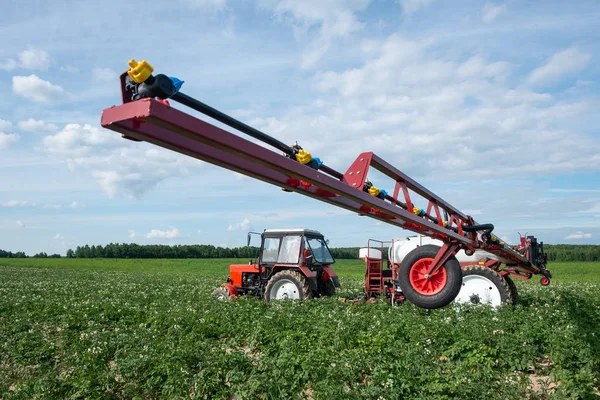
(269, 252)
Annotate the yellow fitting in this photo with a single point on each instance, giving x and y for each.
(139, 71)
(416, 211)
(303, 157)
(445, 224)
(502, 243)
(494, 239)
(373, 191)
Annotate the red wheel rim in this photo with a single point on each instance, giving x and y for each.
(427, 286)
(545, 281)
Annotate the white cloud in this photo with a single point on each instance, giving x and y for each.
(158, 234)
(77, 140)
(34, 59)
(409, 7)
(5, 125)
(104, 75)
(579, 235)
(19, 203)
(20, 224)
(333, 19)
(450, 112)
(212, 4)
(69, 68)
(37, 126)
(36, 89)
(490, 12)
(132, 233)
(58, 236)
(560, 64)
(7, 139)
(75, 205)
(244, 225)
(8, 65)
(120, 167)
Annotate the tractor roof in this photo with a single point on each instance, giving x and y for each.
(295, 230)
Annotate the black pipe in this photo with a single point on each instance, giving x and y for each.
(482, 227)
(230, 121)
(162, 87)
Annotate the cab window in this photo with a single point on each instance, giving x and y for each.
(290, 250)
(270, 250)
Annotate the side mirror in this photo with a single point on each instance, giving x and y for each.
(249, 238)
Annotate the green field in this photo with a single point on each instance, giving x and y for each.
(93, 328)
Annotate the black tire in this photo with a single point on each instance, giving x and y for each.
(442, 297)
(221, 294)
(514, 294)
(326, 288)
(302, 287)
(502, 284)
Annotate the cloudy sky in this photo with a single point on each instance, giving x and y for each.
(494, 106)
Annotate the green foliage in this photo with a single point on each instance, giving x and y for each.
(10, 254)
(571, 252)
(556, 252)
(91, 328)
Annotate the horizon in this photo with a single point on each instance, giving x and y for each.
(492, 106)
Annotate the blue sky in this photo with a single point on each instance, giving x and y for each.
(491, 105)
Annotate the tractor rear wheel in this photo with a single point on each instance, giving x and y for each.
(326, 288)
(287, 285)
(435, 291)
(482, 285)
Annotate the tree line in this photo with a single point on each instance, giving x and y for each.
(556, 252)
(132, 250)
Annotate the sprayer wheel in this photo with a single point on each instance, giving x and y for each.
(514, 294)
(483, 285)
(435, 291)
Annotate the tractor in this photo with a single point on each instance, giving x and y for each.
(292, 264)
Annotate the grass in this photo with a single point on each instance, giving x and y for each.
(562, 271)
(149, 329)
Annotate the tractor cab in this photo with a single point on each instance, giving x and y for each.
(292, 264)
(294, 246)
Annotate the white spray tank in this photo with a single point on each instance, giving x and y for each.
(401, 247)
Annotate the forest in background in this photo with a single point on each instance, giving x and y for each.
(556, 252)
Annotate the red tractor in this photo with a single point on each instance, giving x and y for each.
(292, 264)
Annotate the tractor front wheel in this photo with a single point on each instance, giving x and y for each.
(287, 285)
(221, 294)
(429, 291)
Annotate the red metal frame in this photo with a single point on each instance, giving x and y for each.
(160, 124)
(374, 275)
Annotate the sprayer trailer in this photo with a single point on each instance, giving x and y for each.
(292, 264)
(147, 115)
(486, 278)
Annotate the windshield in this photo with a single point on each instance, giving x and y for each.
(320, 251)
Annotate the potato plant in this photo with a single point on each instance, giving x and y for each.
(104, 332)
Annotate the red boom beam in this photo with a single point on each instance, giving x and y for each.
(157, 123)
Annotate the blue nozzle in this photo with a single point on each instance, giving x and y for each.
(176, 83)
